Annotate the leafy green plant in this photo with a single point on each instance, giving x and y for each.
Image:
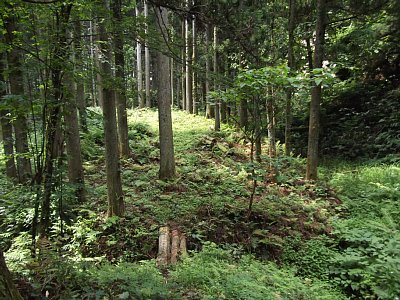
(311, 258)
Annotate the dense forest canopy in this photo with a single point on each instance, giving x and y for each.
(202, 149)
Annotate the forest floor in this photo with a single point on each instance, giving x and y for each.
(330, 239)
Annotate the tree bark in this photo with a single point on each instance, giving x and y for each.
(53, 128)
(8, 145)
(316, 94)
(271, 125)
(217, 116)
(194, 73)
(183, 67)
(73, 142)
(139, 70)
(167, 158)
(6, 129)
(79, 82)
(8, 291)
(147, 58)
(243, 114)
(209, 108)
(291, 65)
(14, 58)
(114, 184)
(120, 92)
(189, 74)
(257, 128)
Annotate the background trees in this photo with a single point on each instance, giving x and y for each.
(318, 79)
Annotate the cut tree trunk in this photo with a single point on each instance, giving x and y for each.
(171, 246)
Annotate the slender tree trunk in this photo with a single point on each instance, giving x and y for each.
(189, 74)
(243, 114)
(217, 116)
(114, 184)
(178, 86)
(72, 137)
(309, 53)
(209, 108)
(291, 65)
(271, 125)
(172, 81)
(183, 69)
(316, 94)
(53, 128)
(79, 82)
(97, 63)
(8, 291)
(167, 158)
(194, 74)
(16, 80)
(6, 129)
(93, 63)
(257, 128)
(147, 58)
(120, 91)
(139, 71)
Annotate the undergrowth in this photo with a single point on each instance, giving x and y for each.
(299, 241)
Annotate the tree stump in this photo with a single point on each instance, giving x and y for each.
(171, 245)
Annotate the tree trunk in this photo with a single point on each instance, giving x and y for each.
(189, 74)
(172, 81)
(291, 65)
(271, 125)
(16, 80)
(209, 108)
(217, 116)
(73, 142)
(8, 145)
(194, 73)
(167, 158)
(114, 185)
(79, 82)
(183, 66)
(53, 128)
(243, 114)
(6, 129)
(147, 58)
(8, 291)
(316, 93)
(139, 71)
(257, 128)
(120, 92)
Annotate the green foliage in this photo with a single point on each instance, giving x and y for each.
(312, 258)
(370, 262)
(363, 121)
(215, 274)
(124, 281)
